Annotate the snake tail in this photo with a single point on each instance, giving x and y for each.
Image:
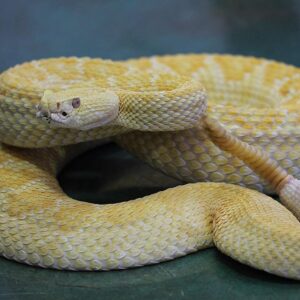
(260, 162)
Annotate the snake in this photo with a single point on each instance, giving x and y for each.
(227, 126)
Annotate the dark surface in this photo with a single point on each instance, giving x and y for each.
(121, 29)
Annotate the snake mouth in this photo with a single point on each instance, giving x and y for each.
(56, 119)
(50, 117)
(43, 114)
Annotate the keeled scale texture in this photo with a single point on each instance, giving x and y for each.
(40, 225)
(257, 100)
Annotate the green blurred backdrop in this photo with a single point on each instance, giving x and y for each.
(119, 29)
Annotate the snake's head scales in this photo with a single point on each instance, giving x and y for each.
(80, 108)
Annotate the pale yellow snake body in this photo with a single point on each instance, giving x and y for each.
(257, 100)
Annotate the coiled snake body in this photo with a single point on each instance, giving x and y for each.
(154, 107)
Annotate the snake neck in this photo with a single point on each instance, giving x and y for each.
(176, 108)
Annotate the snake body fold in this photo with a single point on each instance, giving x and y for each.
(256, 99)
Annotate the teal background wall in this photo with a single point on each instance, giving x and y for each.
(119, 29)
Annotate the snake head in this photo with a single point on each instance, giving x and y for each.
(80, 108)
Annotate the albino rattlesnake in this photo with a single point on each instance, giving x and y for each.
(255, 99)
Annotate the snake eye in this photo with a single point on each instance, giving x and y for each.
(76, 102)
(64, 113)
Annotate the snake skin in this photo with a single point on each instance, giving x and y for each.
(255, 99)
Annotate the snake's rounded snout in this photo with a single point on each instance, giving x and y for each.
(40, 112)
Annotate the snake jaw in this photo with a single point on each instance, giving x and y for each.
(57, 117)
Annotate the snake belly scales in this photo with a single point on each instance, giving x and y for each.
(159, 119)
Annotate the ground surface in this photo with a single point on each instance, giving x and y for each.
(121, 29)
